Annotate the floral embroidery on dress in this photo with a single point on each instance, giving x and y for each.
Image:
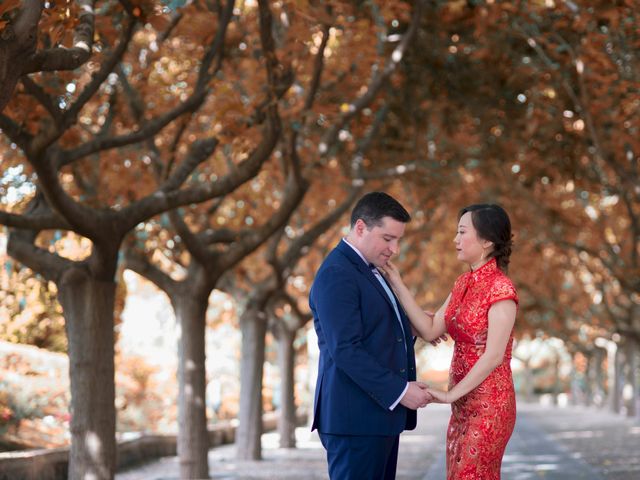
(482, 421)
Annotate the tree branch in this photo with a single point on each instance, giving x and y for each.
(318, 67)
(149, 129)
(302, 317)
(162, 201)
(20, 245)
(225, 235)
(34, 222)
(14, 132)
(193, 242)
(279, 79)
(18, 41)
(69, 117)
(297, 248)
(215, 50)
(200, 151)
(376, 83)
(37, 216)
(142, 266)
(294, 192)
(43, 97)
(62, 58)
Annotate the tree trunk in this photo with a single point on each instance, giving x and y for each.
(599, 377)
(575, 384)
(632, 377)
(193, 439)
(556, 379)
(88, 306)
(528, 380)
(287, 418)
(616, 378)
(589, 380)
(253, 324)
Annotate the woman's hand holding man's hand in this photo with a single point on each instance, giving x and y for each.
(440, 396)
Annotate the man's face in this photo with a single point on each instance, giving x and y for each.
(379, 243)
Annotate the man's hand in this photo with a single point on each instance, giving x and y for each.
(416, 396)
(442, 338)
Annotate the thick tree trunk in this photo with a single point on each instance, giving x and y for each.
(193, 440)
(287, 418)
(632, 377)
(88, 306)
(253, 324)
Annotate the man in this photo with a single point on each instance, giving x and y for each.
(366, 392)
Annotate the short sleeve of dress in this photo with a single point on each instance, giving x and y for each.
(502, 289)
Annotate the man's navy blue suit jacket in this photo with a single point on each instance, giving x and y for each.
(364, 366)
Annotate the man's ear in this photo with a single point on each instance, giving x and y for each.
(360, 227)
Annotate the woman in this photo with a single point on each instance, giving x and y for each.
(479, 315)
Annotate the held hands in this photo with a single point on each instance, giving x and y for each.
(416, 396)
(440, 396)
(419, 395)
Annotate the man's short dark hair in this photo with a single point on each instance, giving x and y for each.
(373, 206)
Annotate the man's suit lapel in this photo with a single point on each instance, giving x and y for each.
(364, 268)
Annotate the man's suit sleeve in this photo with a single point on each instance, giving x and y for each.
(337, 305)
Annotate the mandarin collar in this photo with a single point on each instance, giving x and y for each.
(484, 271)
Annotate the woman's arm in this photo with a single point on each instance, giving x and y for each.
(502, 316)
(428, 327)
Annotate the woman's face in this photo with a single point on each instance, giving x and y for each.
(469, 246)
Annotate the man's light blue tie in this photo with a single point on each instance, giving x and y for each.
(378, 275)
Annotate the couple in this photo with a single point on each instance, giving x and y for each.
(365, 318)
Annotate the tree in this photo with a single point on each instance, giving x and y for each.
(231, 245)
(262, 297)
(209, 259)
(539, 113)
(587, 73)
(67, 144)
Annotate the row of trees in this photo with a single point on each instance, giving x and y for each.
(155, 120)
(215, 145)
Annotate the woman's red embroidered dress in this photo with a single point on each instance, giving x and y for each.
(482, 421)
